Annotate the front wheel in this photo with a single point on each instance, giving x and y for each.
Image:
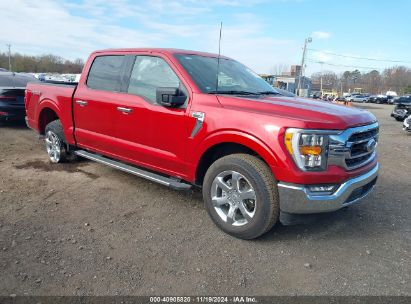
(240, 195)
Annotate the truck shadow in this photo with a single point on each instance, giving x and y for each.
(341, 223)
(47, 166)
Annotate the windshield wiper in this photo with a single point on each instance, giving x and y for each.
(234, 92)
(269, 93)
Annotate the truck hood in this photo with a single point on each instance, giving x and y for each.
(303, 112)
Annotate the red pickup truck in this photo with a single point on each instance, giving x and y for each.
(185, 118)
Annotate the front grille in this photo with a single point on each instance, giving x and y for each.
(364, 135)
(361, 147)
(355, 161)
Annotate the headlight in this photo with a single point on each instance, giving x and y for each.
(309, 148)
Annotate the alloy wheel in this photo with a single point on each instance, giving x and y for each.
(233, 197)
(53, 146)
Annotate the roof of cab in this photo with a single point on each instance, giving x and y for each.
(159, 50)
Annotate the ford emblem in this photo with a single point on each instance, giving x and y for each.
(371, 145)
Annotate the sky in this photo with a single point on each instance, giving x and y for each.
(264, 35)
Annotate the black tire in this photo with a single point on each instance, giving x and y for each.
(260, 177)
(56, 128)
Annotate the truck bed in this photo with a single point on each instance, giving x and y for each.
(55, 96)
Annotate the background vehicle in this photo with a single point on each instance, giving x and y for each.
(378, 99)
(12, 87)
(358, 98)
(392, 99)
(373, 98)
(407, 124)
(402, 108)
(184, 118)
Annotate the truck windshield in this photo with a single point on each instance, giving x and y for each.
(233, 77)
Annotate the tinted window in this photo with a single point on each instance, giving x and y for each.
(105, 73)
(150, 73)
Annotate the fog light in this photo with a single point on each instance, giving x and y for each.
(322, 188)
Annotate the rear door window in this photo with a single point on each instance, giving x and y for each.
(106, 73)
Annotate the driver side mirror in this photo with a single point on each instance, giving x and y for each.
(170, 97)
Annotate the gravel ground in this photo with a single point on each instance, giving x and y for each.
(86, 229)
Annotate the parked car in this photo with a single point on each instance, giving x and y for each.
(12, 86)
(358, 98)
(378, 99)
(372, 99)
(407, 124)
(402, 108)
(392, 99)
(180, 119)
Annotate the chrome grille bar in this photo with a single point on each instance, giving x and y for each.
(354, 147)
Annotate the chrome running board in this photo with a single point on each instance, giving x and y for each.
(163, 180)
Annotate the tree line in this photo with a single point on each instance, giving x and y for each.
(47, 63)
(397, 78)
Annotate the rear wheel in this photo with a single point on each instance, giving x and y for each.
(56, 144)
(240, 195)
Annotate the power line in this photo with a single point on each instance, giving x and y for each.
(361, 58)
(343, 65)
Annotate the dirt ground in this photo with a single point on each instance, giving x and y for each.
(86, 229)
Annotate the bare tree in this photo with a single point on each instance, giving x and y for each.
(372, 82)
(278, 69)
(397, 78)
(329, 79)
(43, 63)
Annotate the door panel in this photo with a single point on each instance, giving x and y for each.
(169, 137)
(95, 121)
(155, 135)
(133, 129)
(95, 104)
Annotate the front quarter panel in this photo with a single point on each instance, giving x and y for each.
(221, 125)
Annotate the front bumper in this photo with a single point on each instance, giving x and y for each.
(297, 199)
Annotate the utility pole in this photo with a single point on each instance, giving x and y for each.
(306, 41)
(9, 46)
(321, 79)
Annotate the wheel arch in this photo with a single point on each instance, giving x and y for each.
(48, 112)
(223, 144)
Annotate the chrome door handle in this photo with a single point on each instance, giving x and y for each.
(125, 110)
(82, 103)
